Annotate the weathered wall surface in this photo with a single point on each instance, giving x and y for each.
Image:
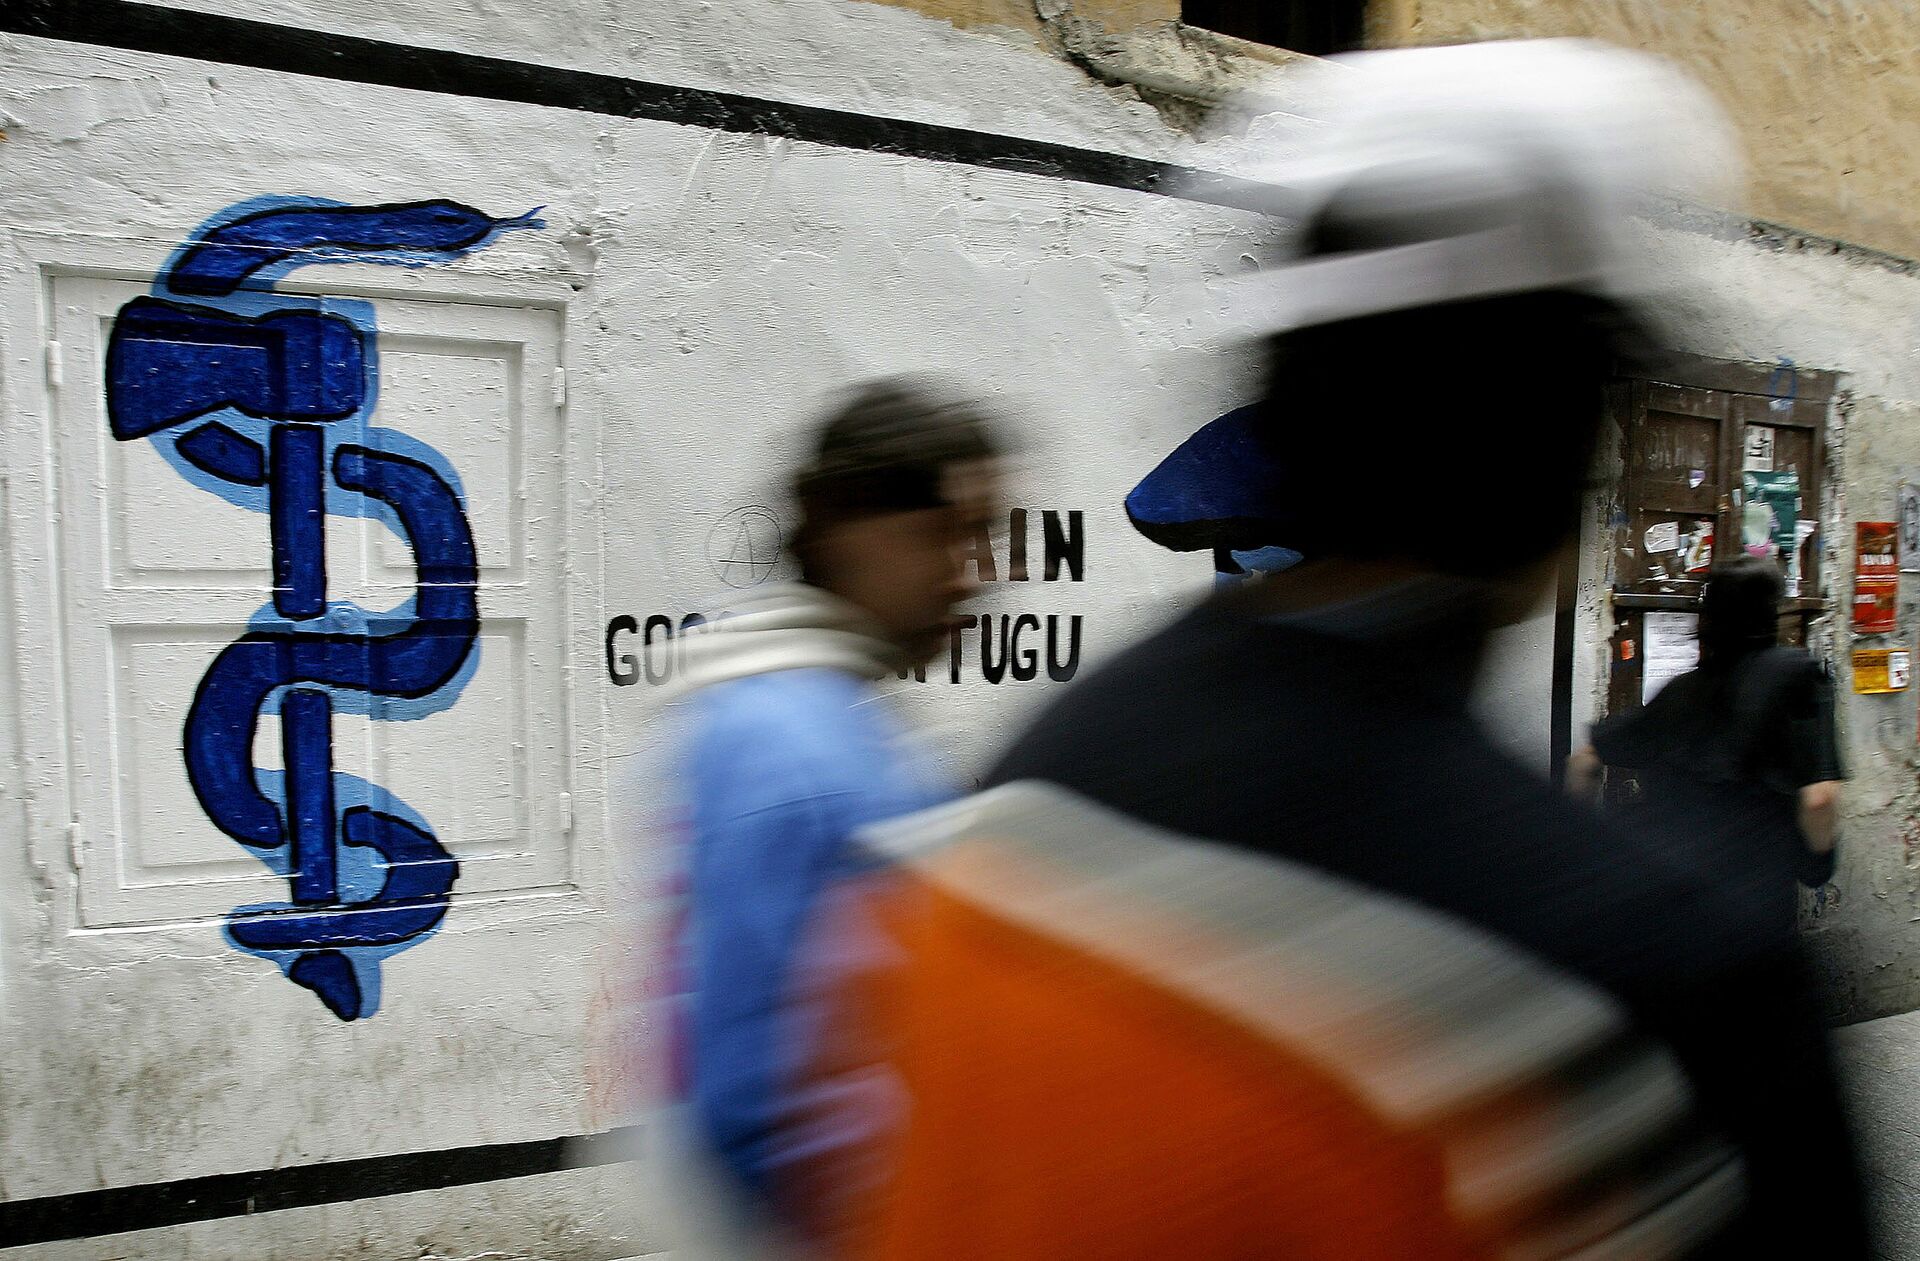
(1868, 921)
(1813, 306)
(1031, 16)
(1823, 94)
(587, 343)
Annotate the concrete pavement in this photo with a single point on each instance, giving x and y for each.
(1880, 1060)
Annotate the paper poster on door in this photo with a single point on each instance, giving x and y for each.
(1769, 513)
(1668, 650)
(1697, 548)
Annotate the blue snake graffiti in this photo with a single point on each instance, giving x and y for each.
(265, 399)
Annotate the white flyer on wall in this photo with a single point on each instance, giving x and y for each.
(1663, 536)
(1668, 650)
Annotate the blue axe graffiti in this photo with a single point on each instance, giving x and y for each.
(265, 399)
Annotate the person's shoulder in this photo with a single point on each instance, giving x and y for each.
(1789, 657)
(1151, 690)
(794, 717)
(805, 747)
(1791, 670)
(1164, 647)
(1172, 648)
(781, 695)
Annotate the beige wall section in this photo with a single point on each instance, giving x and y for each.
(1028, 15)
(1825, 94)
(1015, 15)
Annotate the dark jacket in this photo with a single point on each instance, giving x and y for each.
(1343, 740)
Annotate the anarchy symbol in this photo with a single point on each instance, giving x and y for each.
(744, 546)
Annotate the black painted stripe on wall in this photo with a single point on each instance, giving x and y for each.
(239, 41)
(91, 1213)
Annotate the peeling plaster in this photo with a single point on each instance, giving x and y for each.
(1201, 82)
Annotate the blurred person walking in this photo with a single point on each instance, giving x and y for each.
(1740, 776)
(1738, 757)
(1257, 945)
(790, 748)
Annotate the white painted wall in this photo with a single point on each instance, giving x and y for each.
(703, 291)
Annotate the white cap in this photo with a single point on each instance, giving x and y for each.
(1507, 167)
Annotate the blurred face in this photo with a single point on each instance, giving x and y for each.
(907, 569)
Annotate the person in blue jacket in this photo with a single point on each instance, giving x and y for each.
(792, 748)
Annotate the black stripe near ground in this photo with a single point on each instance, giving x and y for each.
(292, 50)
(119, 1209)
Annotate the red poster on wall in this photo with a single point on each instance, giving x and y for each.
(1876, 552)
(1876, 576)
(1875, 603)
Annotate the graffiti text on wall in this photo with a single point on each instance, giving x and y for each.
(995, 647)
(265, 400)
